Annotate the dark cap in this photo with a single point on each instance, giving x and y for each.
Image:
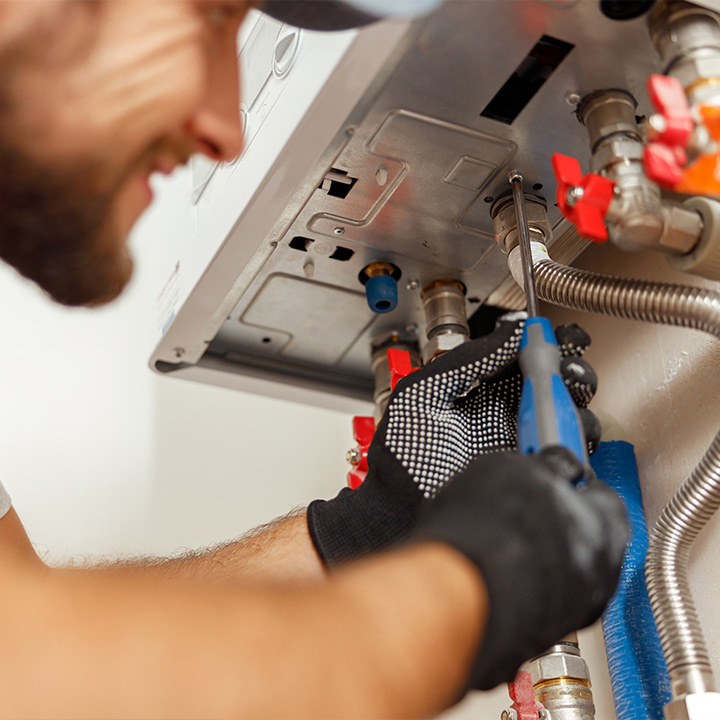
(342, 14)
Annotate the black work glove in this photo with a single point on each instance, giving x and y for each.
(440, 418)
(549, 552)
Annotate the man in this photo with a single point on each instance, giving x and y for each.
(488, 557)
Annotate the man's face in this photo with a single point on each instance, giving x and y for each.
(94, 98)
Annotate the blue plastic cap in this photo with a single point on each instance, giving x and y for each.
(381, 292)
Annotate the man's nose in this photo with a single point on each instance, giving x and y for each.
(215, 127)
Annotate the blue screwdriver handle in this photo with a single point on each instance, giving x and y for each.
(547, 415)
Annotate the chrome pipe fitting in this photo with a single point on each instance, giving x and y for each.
(561, 682)
(381, 369)
(445, 317)
(687, 38)
(505, 221)
(638, 218)
(609, 113)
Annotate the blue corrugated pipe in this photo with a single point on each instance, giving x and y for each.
(640, 682)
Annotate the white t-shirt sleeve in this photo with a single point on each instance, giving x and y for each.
(5, 501)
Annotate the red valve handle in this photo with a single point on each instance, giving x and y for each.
(664, 164)
(523, 697)
(668, 97)
(594, 195)
(400, 366)
(664, 158)
(363, 431)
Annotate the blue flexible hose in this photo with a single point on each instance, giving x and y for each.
(639, 677)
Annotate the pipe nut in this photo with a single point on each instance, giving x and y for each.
(678, 28)
(683, 227)
(698, 706)
(615, 150)
(505, 221)
(557, 665)
(700, 76)
(440, 344)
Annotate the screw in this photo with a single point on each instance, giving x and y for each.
(179, 352)
(353, 456)
(573, 98)
(658, 123)
(413, 284)
(543, 715)
(574, 195)
(339, 230)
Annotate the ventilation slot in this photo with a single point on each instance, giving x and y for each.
(301, 243)
(540, 63)
(342, 253)
(338, 183)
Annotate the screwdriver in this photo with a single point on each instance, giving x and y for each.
(547, 415)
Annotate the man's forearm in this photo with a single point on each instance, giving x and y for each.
(391, 636)
(280, 550)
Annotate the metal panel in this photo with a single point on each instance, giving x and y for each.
(422, 166)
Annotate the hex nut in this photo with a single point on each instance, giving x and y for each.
(683, 228)
(556, 665)
(691, 69)
(441, 344)
(616, 150)
(699, 706)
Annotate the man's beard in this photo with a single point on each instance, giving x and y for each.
(55, 229)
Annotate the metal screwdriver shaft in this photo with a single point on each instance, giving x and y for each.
(547, 415)
(516, 182)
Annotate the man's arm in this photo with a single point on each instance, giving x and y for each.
(387, 637)
(281, 549)
(16, 550)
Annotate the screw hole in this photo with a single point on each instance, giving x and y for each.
(267, 340)
(537, 186)
(488, 198)
(474, 300)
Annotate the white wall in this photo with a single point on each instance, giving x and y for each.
(103, 456)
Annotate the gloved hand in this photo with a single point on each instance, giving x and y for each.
(438, 420)
(549, 552)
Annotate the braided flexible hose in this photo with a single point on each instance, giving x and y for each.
(666, 568)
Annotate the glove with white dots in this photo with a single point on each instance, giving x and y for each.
(439, 419)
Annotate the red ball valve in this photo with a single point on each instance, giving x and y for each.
(583, 200)
(664, 158)
(364, 427)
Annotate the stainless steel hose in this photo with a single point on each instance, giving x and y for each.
(698, 497)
